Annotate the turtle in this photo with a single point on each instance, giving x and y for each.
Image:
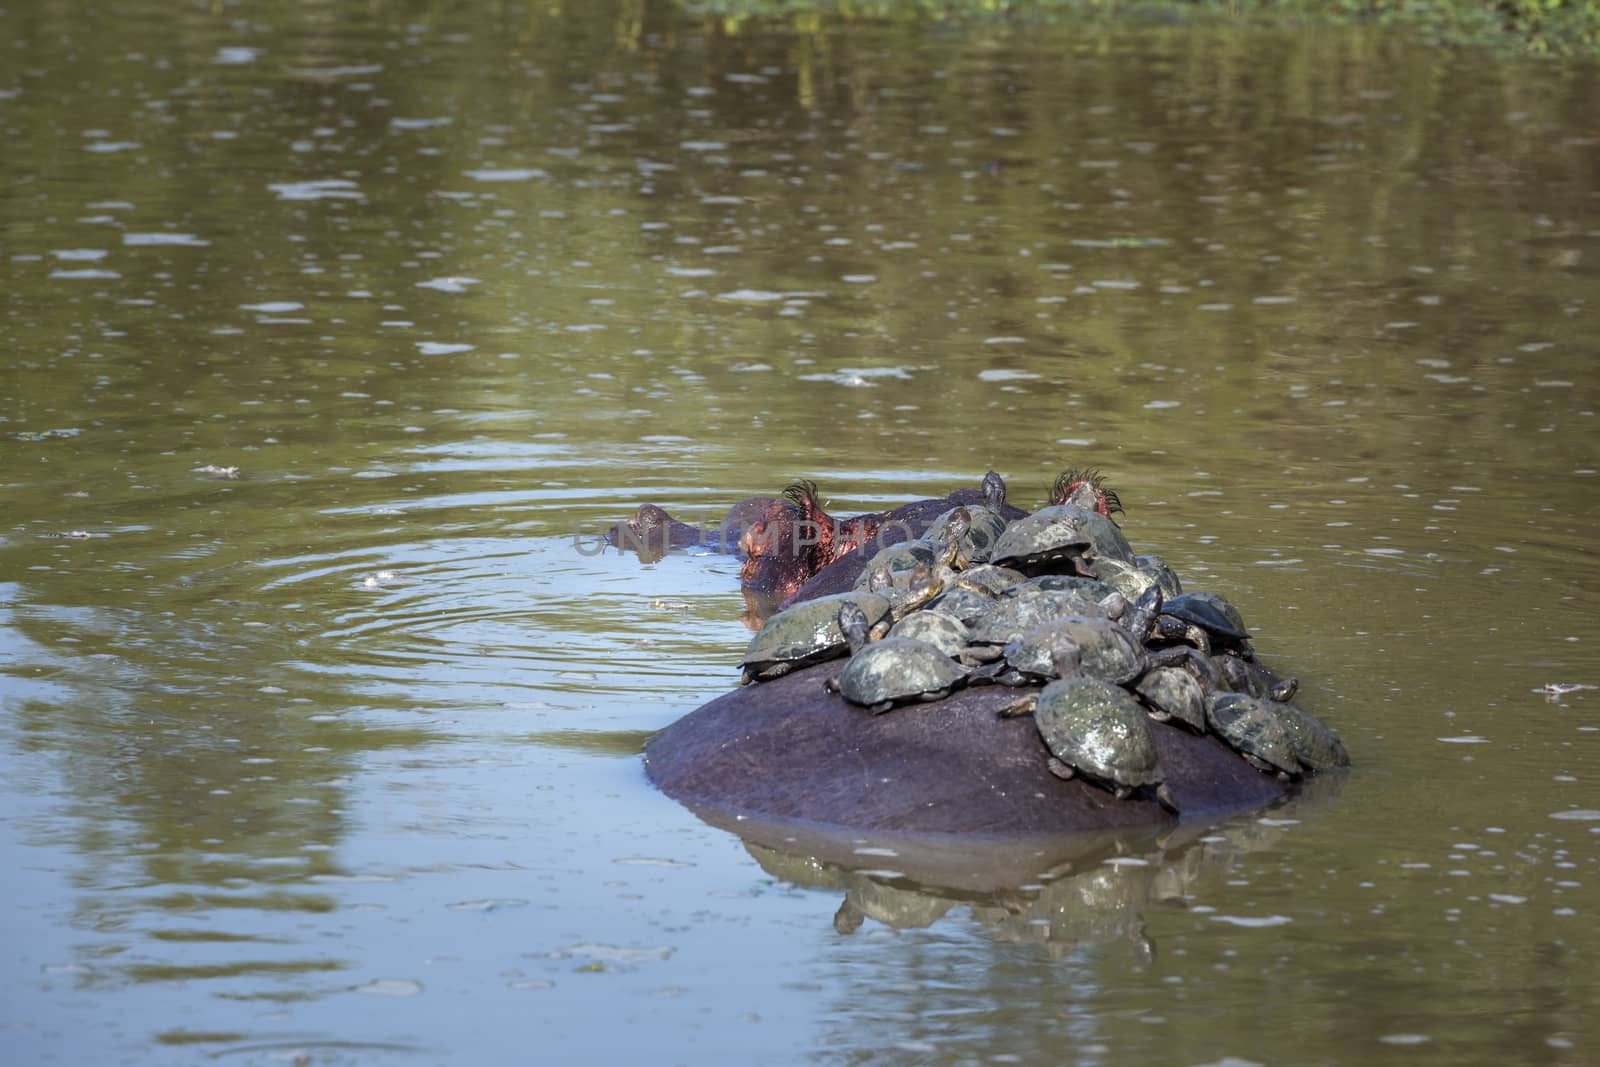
(1009, 618)
(1172, 695)
(1097, 731)
(944, 632)
(1247, 676)
(1092, 645)
(924, 551)
(995, 579)
(909, 591)
(1095, 589)
(1050, 541)
(895, 670)
(1253, 728)
(963, 603)
(1204, 620)
(1126, 578)
(809, 633)
(1158, 569)
(1316, 744)
(985, 522)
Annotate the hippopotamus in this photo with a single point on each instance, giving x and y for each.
(789, 749)
(652, 532)
(791, 753)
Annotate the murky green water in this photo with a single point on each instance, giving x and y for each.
(336, 756)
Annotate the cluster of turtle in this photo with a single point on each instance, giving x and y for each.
(1057, 599)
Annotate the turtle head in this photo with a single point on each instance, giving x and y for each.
(853, 624)
(1086, 489)
(994, 491)
(879, 579)
(957, 525)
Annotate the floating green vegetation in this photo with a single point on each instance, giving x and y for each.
(1539, 27)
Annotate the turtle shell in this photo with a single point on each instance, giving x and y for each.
(944, 632)
(1175, 694)
(1062, 583)
(904, 556)
(1208, 611)
(1163, 574)
(807, 633)
(962, 604)
(1124, 577)
(1316, 745)
(995, 579)
(1046, 541)
(1106, 649)
(984, 529)
(898, 670)
(1100, 731)
(1252, 727)
(1009, 618)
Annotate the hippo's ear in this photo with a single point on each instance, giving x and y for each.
(803, 492)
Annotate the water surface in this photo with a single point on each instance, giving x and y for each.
(334, 333)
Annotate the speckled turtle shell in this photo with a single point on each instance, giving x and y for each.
(898, 670)
(1011, 617)
(1162, 573)
(1316, 745)
(808, 633)
(1106, 650)
(1100, 732)
(1051, 540)
(1253, 728)
(1124, 577)
(1093, 588)
(944, 632)
(1173, 695)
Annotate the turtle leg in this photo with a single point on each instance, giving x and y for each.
(1164, 798)
(1020, 706)
(1159, 714)
(777, 670)
(1285, 690)
(1063, 771)
(881, 707)
(1197, 636)
(831, 685)
(1122, 792)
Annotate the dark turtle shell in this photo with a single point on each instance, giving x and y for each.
(1174, 696)
(1100, 731)
(1209, 611)
(1253, 728)
(808, 633)
(898, 670)
(1105, 649)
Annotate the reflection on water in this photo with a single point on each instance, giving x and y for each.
(1067, 894)
(328, 328)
